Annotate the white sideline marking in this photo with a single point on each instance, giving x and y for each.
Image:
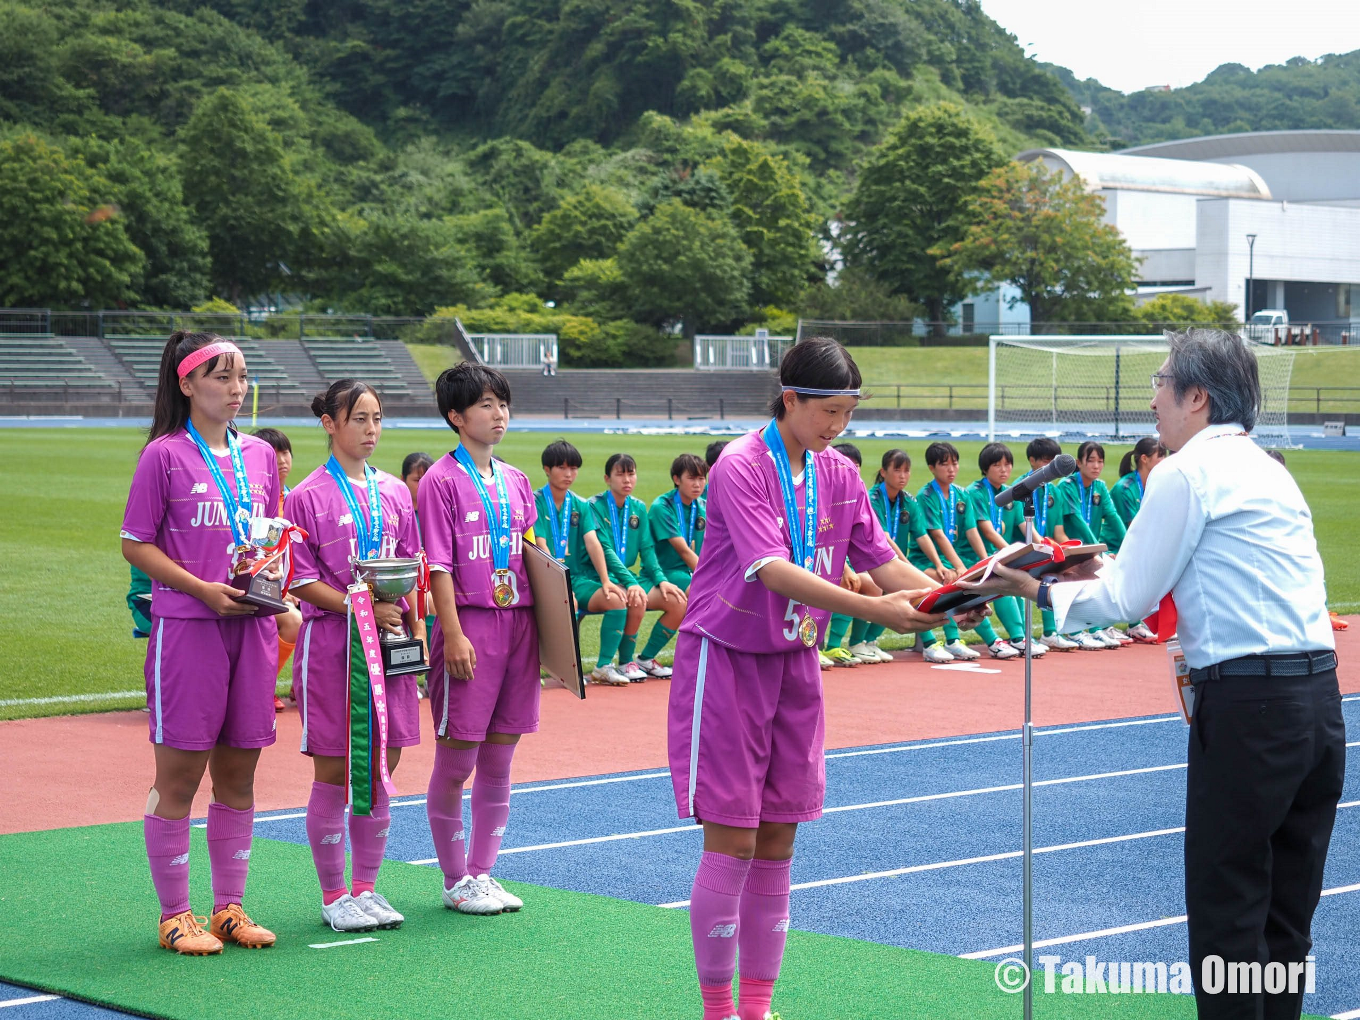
(1121, 929)
(29, 1000)
(1352, 1015)
(965, 667)
(332, 945)
(68, 699)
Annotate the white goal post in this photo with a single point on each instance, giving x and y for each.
(1102, 385)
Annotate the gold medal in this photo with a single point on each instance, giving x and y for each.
(502, 594)
(807, 630)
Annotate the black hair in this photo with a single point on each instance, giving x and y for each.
(819, 362)
(994, 453)
(339, 400)
(1145, 447)
(850, 451)
(1089, 447)
(413, 462)
(561, 454)
(171, 410)
(1043, 448)
(461, 386)
(274, 438)
(621, 461)
(688, 464)
(893, 459)
(714, 449)
(941, 453)
(1275, 455)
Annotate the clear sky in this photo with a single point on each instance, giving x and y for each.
(1130, 46)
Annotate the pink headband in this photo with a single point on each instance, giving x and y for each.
(192, 361)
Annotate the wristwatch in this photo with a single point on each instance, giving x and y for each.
(1044, 599)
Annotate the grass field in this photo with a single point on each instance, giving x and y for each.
(65, 581)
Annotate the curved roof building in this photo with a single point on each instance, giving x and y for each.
(1113, 170)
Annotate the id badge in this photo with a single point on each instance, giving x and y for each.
(1180, 679)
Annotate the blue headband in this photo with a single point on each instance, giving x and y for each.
(809, 391)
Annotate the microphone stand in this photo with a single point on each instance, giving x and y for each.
(1027, 792)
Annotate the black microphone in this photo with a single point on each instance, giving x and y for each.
(1059, 467)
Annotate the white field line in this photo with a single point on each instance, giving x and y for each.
(332, 945)
(70, 699)
(1353, 1014)
(1121, 929)
(27, 1000)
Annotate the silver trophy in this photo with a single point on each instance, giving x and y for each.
(391, 579)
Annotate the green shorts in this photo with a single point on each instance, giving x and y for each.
(679, 578)
(584, 588)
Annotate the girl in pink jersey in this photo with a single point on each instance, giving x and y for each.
(746, 716)
(348, 509)
(476, 513)
(212, 659)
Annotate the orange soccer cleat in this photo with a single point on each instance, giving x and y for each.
(1338, 623)
(184, 934)
(230, 924)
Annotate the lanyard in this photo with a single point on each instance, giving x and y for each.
(994, 512)
(238, 504)
(1138, 480)
(1041, 510)
(368, 533)
(498, 527)
(1087, 494)
(680, 516)
(890, 509)
(616, 527)
(559, 527)
(802, 540)
(947, 506)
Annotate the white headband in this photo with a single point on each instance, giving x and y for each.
(809, 391)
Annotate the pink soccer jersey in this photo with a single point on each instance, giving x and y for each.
(317, 507)
(457, 538)
(746, 525)
(175, 504)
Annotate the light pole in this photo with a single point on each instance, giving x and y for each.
(1251, 273)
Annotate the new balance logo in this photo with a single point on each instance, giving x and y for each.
(382, 833)
(723, 931)
(347, 519)
(331, 838)
(198, 488)
(241, 855)
(181, 859)
(781, 926)
(471, 516)
(457, 836)
(498, 830)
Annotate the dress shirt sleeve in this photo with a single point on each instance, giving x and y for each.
(1155, 552)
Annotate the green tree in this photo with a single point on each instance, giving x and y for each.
(589, 224)
(1047, 237)
(1169, 311)
(682, 264)
(63, 241)
(595, 287)
(242, 187)
(496, 250)
(771, 215)
(907, 201)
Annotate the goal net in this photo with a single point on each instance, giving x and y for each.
(1102, 385)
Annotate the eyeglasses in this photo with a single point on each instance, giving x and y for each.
(1159, 379)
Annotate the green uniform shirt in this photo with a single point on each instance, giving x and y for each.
(933, 515)
(1091, 512)
(633, 524)
(578, 520)
(910, 524)
(1008, 521)
(1050, 510)
(666, 524)
(1127, 496)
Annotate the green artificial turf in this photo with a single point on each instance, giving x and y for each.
(66, 581)
(88, 930)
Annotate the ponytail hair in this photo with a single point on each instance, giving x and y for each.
(1148, 446)
(339, 399)
(171, 410)
(893, 459)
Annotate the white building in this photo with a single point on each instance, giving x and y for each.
(1190, 208)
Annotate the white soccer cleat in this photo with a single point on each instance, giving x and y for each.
(1037, 650)
(1117, 635)
(653, 668)
(633, 672)
(345, 914)
(509, 901)
(937, 654)
(961, 651)
(1088, 642)
(1108, 639)
(375, 905)
(882, 655)
(864, 652)
(1142, 633)
(608, 674)
(470, 895)
(1059, 643)
(823, 662)
(1001, 650)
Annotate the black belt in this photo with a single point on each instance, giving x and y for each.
(1296, 664)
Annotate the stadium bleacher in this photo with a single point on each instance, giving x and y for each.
(342, 357)
(142, 357)
(39, 363)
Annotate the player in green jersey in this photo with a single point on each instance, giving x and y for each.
(1089, 500)
(1127, 496)
(622, 519)
(950, 526)
(998, 527)
(1048, 518)
(677, 520)
(567, 530)
(832, 653)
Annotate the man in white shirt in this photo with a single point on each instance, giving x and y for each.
(1224, 529)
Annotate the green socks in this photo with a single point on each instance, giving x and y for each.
(872, 632)
(1009, 613)
(858, 628)
(835, 630)
(951, 632)
(985, 631)
(627, 646)
(1050, 623)
(611, 630)
(656, 640)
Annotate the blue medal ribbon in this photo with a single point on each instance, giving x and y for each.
(947, 505)
(994, 512)
(368, 533)
(1041, 510)
(680, 516)
(616, 527)
(497, 525)
(890, 509)
(1138, 480)
(802, 539)
(238, 505)
(1087, 492)
(558, 527)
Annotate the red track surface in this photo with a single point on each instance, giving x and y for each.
(89, 769)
